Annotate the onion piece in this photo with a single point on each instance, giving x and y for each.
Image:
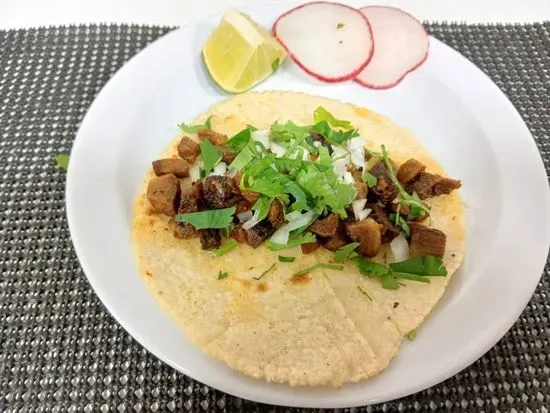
(400, 248)
(219, 169)
(195, 172)
(348, 178)
(262, 136)
(296, 220)
(358, 205)
(364, 214)
(252, 221)
(356, 147)
(244, 216)
(278, 149)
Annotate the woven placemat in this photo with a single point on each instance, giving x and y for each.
(61, 351)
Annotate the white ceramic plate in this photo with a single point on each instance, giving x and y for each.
(454, 109)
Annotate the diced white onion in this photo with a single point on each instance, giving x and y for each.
(252, 221)
(400, 248)
(340, 167)
(195, 172)
(278, 149)
(317, 144)
(219, 169)
(244, 216)
(262, 136)
(358, 205)
(356, 147)
(339, 152)
(364, 214)
(232, 172)
(295, 220)
(305, 156)
(348, 178)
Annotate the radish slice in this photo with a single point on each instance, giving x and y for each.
(401, 46)
(330, 41)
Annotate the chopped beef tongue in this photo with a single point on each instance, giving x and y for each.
(250, 196)
(210, 238)
(385, 190)
(239, 234)
(218, 191)
(228, 155)
(368, 233)
(309, 247)
(339, 239)
(259, 233)
(214, 137)
(190, 198)
(427, 241)
(389, 229)
(163, 193)
(242, 206)
(276, 214)
(362, 190)
(176, 166)
(188, 149)
(325, 227)
(409, 171)
(182, 230)
(427, 185)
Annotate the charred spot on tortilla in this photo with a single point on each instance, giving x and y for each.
(298, 279)
(261, 287)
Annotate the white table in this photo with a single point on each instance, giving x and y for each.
(33, 13)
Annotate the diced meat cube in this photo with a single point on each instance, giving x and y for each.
(423, 185)
(228, 155)
(410, 170)
(276, 214)
(368, 233)
(190, 198)
(427, 241)
(237, 179)
(259, 233)
(218, 191)
(239, 234)
(214, 137)
(389, 229)
(339, 239)
(163, 193)
(242, 206)
(210, 238)
(188, 149)
(309, 247)
(362, 190)
(176, 166)
(250, 196)
(385, 190)
(325, 227)
(446, 186)
(182, 230)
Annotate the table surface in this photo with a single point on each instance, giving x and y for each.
(34, 13)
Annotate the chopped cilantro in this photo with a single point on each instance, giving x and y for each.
(293, 242)
(62, 161)
(333, 136)
(282, 258)
(215, 218)
(222, 275)
(364, 292)
(196, 128)
(275, 64)
(265, 272)
(239, 141)
(225, 248)
(289, 130)
(262, 205)
(211, 155)
(412, 335)
(226, 232)
(346, 252)
(424, 265)
(339, 25)
(336, 267)
(321, 114)
(245, 156)
(401, 223)
(370, 179)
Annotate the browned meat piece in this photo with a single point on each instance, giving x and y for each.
(250, 196)
(190, 198)
(339, 239)
(410, 170)
(446, 186)
(218, 191)
(175, 166)
(309, 247)
(242, 206)
(210, 238)
(239, 234)
(427, 241)
(214, 137)
(163, 194)
(237, 179)
(276, 214)
(182, 230)
(389, 229)
(385, 190)
(325, 227)
(362, 190)
(427, 185)
(188, 149)
(259, 233)
(228, 155)
(369, 235)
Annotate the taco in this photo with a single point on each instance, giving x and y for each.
(296, 238)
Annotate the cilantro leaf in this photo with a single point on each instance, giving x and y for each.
(370, 179)
(222, 275)
(321, 114)
(215, 218)
(336, 267)
(401, 223)
(245, 156)
(262, 205)
(225, 248)
(288, 131)
(264, 273)
(239, 141)
(412, 277)
(364, 292)
(300, 199)
(378, 271)
(275, 65)
(424, 265)
(346, 252)
(333, 136)
(294, 242)
(282, 258)
(62, 161)
(196, 128)
(211, 155)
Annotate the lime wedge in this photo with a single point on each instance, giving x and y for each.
(239, 54)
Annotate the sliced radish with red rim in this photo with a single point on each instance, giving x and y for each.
(330, 41)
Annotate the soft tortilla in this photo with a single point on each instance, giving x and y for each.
(321, 330)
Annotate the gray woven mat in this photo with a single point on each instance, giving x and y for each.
(61, 351)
